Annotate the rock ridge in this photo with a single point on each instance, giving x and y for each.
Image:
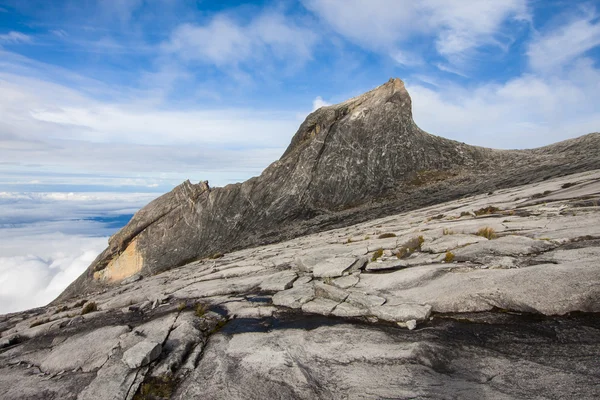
(347, 163)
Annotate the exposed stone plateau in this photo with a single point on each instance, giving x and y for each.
(488, 288)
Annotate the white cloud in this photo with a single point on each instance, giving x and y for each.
(551, 51)
(319, 102)
(66, 129)
(389, 25)
(13, 37)
(32, 207)
(36, 279)
(224, 41)
(59, 32)
(48, 239)
(527, 111)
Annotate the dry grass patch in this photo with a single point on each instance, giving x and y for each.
(487, 210)
(410, 247)
(487, 233)
(449, 257)
(89, 307)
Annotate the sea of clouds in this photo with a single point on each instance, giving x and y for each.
(48, 239)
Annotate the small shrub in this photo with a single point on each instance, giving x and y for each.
(39, 322)
(540, 195)
(378, 253)
(449, 257)
(386, 235)
(349, 240)
(161, 387)
(410, 247)
(447, 231)
(367, 237)
(89, 307)
(487, 210)
(216, 255)
(439, 216)
(465, 214)
(218, 326)
(61, 309)
(487, 232)
(181, 306)
(200, 310)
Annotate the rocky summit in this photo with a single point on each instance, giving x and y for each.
(348, 163)
(373, 260)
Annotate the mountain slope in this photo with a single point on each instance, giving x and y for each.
(347, 163)
(413, 305)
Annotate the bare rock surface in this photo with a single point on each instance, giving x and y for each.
(511, 316)
(142, 354)
(351, 162)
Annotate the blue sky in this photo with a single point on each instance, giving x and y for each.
(133, 95)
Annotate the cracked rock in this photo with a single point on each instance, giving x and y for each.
(142, 354)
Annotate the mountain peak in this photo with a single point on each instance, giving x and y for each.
(347, 163)
(391, 99)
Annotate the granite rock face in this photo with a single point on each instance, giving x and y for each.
(511, 317)
(373, 260)
(351, 162)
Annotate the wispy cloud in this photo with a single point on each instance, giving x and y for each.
(64, 128)
(224, 41)
(13, 37)
(59, 32)
(555, 48)
(391, 26)
(513, 114)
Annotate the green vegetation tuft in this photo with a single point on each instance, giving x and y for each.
(218, 326)
(447, 231)
(200, 310)
(378, 253)
(410, 247)
(449, 257)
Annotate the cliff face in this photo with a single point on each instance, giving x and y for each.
(343, 159)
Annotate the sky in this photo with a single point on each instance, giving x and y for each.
(120, 100)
